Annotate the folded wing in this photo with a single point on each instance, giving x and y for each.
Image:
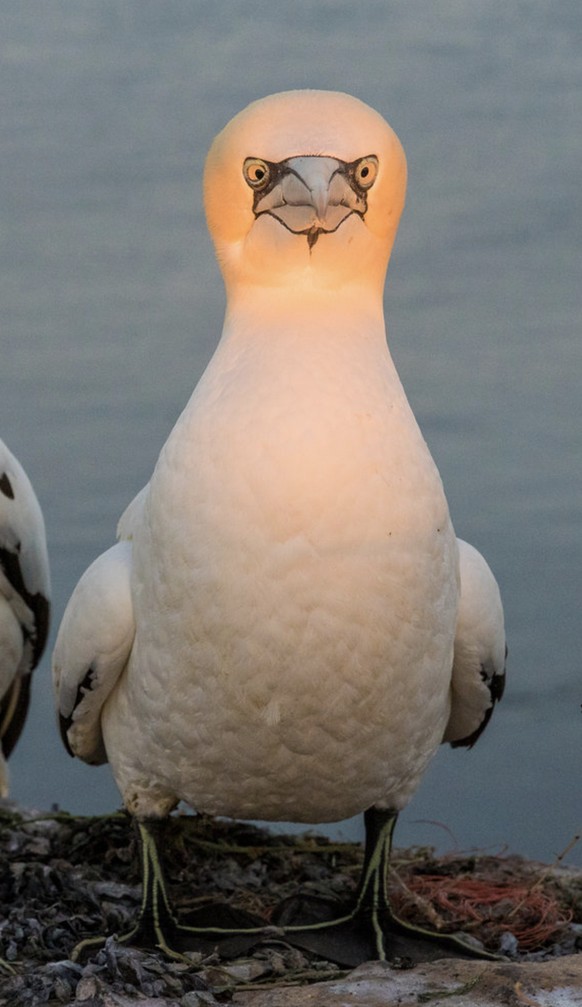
(92, 649)
(480, 650)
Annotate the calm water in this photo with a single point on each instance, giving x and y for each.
(111, 304)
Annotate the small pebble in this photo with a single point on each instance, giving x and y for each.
(508, 944)
(198, 998)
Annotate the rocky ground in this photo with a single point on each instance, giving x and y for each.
(63, 878)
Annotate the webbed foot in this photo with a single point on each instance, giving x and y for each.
(233, 930)
(368, 929)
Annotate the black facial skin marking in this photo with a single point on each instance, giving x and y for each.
(277, 170)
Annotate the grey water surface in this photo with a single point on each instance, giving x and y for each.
(111, 304)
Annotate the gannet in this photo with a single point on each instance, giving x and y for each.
(24, 600)
(288, 627)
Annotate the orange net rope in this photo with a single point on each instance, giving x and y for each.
(490, 908)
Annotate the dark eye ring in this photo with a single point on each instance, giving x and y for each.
(365, 171)
(257, 173)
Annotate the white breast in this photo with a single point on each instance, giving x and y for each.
(294, 590)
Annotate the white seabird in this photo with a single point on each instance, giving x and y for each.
(24, 600)
(288, 628)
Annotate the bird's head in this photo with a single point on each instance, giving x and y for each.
(305, 188)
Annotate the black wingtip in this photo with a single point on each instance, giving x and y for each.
(85, 686)
(13, 712)
(496, 689)
(37, 603)
(64, 725)
(42, 617)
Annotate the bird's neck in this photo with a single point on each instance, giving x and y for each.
(306, 347)
(306, 317)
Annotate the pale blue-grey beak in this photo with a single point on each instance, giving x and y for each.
(311, 195)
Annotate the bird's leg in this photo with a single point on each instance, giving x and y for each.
(372, 896)
(372, 899)
(370, 929)
(359, 933)
(156, 926)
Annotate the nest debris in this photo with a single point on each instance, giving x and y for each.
(63, 878)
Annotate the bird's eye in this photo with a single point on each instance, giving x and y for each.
(365, 171)
(256, 172)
